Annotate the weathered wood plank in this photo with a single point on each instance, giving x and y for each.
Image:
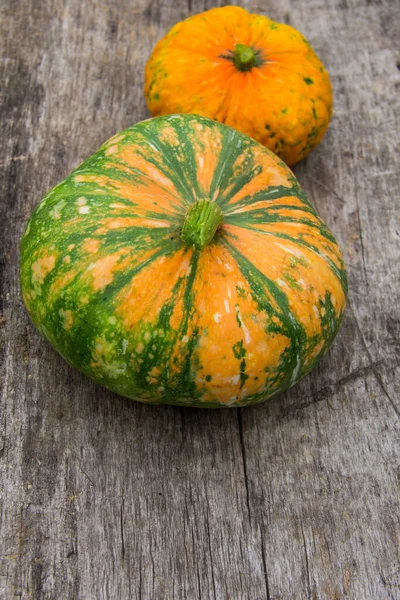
(105, 498)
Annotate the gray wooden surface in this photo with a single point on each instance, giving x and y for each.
(103, 498)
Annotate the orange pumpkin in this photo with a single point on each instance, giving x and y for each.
(256, 75)
(183, 264)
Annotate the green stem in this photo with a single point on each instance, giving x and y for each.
(244, 57)
(201, 222)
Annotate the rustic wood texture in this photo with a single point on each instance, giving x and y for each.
(104, 498)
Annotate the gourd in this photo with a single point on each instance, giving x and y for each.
(244, 70)
(183, 264)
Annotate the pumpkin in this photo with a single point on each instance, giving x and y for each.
(244, 70)
(183, 264)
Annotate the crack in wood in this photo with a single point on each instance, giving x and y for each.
(87, 476)
(362, 243)
(244, 462)
(324, 185)
(140, 576)
(265, 570)
(324, 393)
(306, 557)
(211, 556)
(122, 529)
(372, 365)
(198, 580)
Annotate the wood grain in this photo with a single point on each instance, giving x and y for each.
(103, 498)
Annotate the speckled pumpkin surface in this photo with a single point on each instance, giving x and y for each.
(244, 70)
(183, 264)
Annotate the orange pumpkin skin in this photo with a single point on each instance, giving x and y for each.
(113, 277)
(284, 101)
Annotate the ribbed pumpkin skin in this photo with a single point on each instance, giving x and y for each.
(108, 281)
(285, 103)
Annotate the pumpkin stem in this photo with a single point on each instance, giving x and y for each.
(201, 222)
(244, 57)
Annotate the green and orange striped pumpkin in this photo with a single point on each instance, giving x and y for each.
(183, 264)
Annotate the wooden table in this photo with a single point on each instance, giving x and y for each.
(104, 498)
